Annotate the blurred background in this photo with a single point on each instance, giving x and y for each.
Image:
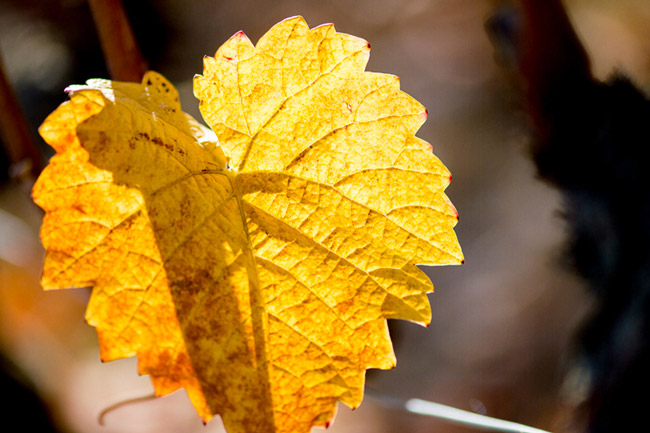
(501, 338)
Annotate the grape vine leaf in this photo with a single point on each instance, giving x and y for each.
(254, 264)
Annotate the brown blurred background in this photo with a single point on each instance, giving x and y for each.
(500, 341)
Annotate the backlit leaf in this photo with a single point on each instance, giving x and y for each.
(256, 265)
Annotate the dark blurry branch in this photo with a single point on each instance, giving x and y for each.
(19, 142)
(121, 51)
(590, 140)
(553, 63)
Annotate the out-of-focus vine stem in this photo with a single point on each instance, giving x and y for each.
(20, 145)
(451, 414)
(552, 61)
(121, 51)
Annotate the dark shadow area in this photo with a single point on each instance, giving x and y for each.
(23, 405)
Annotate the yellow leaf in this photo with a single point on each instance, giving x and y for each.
(255, 268)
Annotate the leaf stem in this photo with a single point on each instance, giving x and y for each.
(458, 416)
(19, 142)
(121, 51)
